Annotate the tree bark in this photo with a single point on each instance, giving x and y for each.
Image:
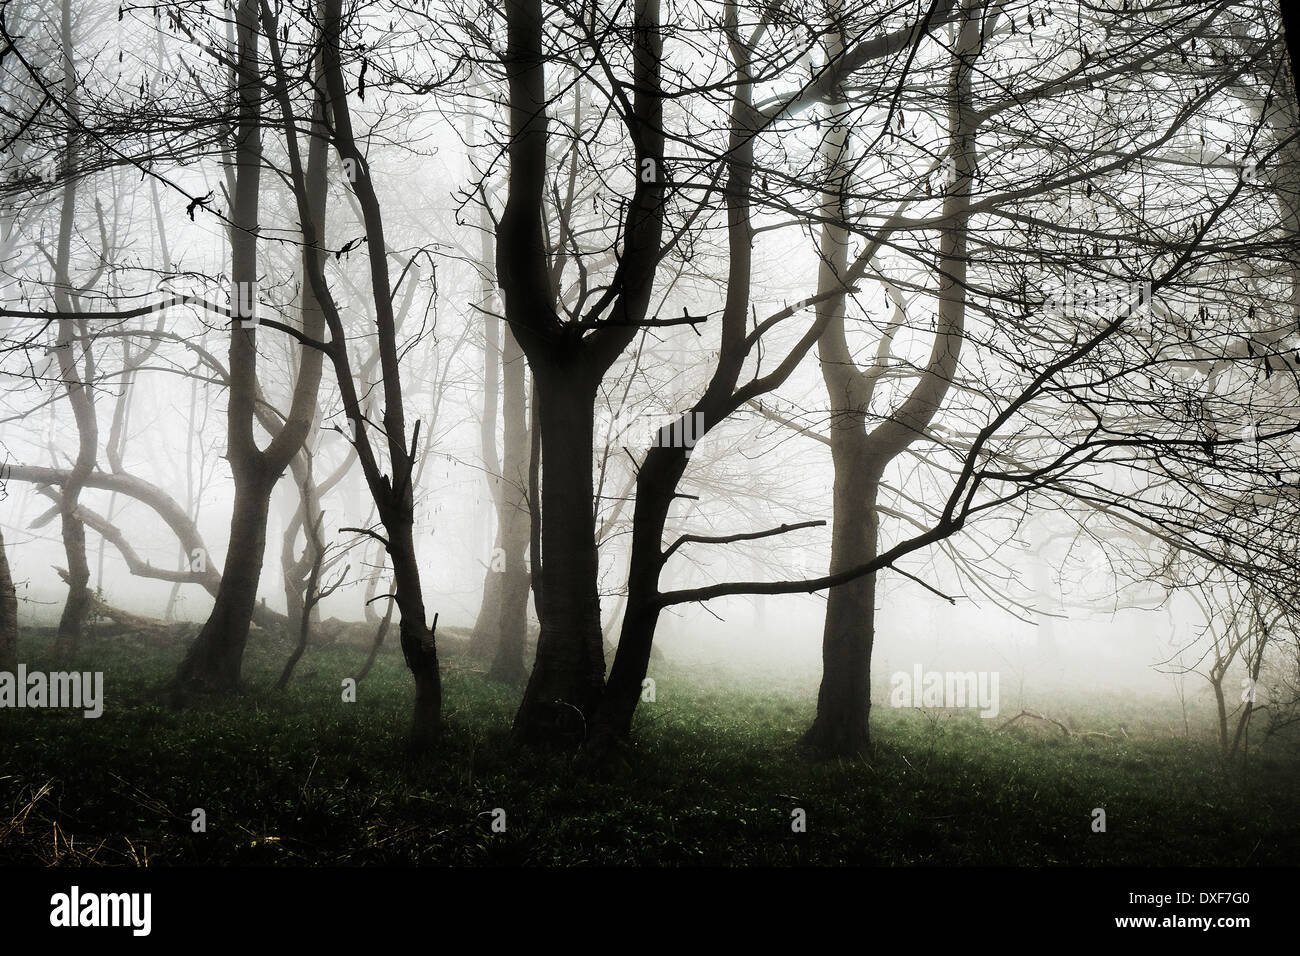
(569, 671)
(844, 697)
(417, 639)
(656, 484)
(212, 664)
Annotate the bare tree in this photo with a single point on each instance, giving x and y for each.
(213, 660)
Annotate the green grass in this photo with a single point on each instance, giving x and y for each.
(714, 775)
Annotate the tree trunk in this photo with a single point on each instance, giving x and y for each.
(485, 638)
(212, 663)
(381, 631)
(512, 629)
(514, 523)
(72, 622)
(664, 465)
(569, 672)
(860, 458)
(76, 609)
(844, 698)
(417, 639)
(308, 599)
(8, 614)
(656, 485)
(214, 660)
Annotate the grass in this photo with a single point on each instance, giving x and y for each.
(302, 778)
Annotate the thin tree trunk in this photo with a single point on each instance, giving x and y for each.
(393, 494)
(664, 465)
(656, 484)
(514, 523)
(1221, 709)
(311, 593)
(483, 643)
(8, 614)
(381, 631)
(76, 609)
(417, 639)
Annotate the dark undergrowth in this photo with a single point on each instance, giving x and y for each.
(714, 776)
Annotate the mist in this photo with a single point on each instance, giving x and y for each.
(681, 432)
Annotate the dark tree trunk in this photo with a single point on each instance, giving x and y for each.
(568, 362)
(299, 648)
(569, 671)
(212, 664)
(664, 465)
(308, 599)
(623, 692)
(860, 458)
(417, 639)
(213, 661)
(76, 609)
(8, 614)
(393, 494)
(844, 698)
(656, 486)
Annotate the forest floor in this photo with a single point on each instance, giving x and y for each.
(715, 776)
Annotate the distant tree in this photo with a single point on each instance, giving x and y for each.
(501, 628)
(8, 614)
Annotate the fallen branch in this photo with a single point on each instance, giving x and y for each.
(1028, 713)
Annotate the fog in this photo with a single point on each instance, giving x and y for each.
(1041, 360)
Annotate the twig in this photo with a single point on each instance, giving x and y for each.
(1028, 713)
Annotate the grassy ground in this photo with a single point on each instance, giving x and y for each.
(303, 778)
